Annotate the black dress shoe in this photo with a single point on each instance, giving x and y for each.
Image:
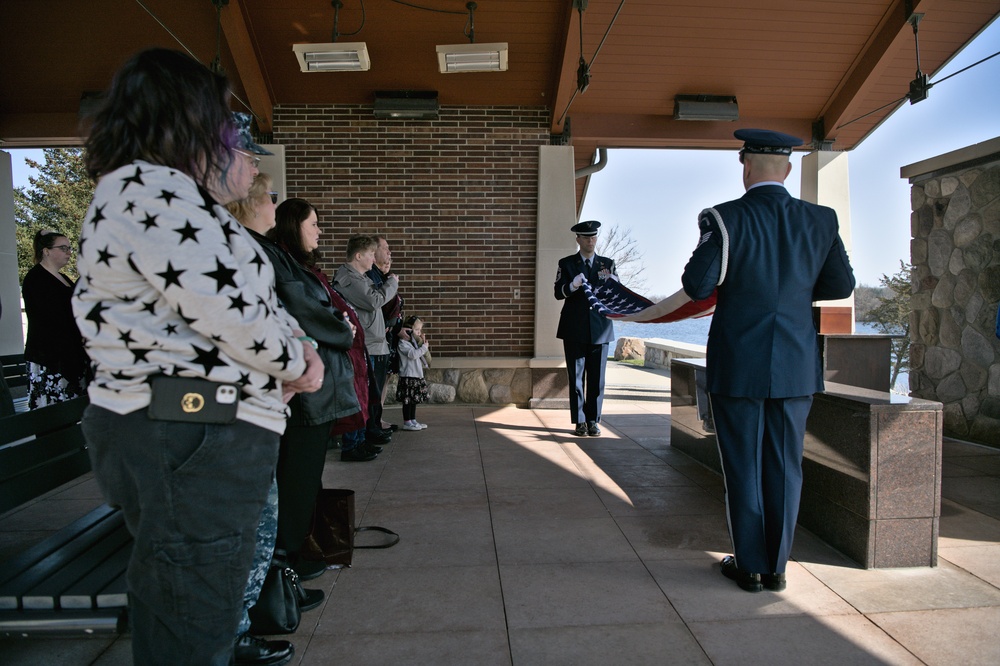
(774, 582)
(308, 569)
(593, 429)
(581, 430)
(309, 599)
(381, 437)
(746, 580)
(358, 454)
(253, 651)
(371, 447)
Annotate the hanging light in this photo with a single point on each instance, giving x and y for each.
(345, 57)
(334, 57)
(472, 57)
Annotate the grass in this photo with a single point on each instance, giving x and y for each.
(638, 362)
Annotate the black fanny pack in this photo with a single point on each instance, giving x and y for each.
(193, 400)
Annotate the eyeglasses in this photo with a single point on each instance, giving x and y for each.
(274, 197)
(65, 248)
(254, 160)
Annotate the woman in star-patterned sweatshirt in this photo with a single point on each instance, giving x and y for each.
(172, 285)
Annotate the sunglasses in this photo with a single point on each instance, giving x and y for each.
(274, 197)
(254, 160)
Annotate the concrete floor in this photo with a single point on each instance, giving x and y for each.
(523, 544)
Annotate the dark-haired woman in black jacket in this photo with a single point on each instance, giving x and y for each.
(302, 455)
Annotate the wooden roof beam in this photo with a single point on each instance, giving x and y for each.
(234, 26)
(662, 131)
(894, 33)
(566, 82)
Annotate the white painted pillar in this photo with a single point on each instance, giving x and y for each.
(11, 333)
(556, 214)
(826, 181)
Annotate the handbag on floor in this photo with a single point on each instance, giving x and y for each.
(277, 608)
(331, 539)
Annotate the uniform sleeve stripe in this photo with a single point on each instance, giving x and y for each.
(725, 243)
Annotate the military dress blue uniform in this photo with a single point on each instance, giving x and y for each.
(770, 256)
(585, 333)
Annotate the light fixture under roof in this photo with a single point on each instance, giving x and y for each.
(706, 107)
(333, 57)
(406, 104)
(454, 58)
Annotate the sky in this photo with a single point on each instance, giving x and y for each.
(657, 194)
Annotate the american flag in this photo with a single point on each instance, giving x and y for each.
(616, 301)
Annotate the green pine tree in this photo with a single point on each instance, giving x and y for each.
(57, 198)
(892, 316)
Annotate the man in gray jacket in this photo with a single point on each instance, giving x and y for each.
(367, 299)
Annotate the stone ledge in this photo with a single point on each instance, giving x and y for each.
(660, 352)
(956, 159)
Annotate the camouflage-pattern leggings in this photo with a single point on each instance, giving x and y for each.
(267, 528)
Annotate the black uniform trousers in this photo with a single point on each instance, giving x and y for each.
(585, 364)
(760, 443)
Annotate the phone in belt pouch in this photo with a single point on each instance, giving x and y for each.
(193, 400)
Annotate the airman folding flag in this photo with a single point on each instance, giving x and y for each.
(616, 301)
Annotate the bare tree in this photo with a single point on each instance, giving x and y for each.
(617, 243)
(866, 299)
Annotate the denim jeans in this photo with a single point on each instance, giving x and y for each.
(192, 496)
(352, 440)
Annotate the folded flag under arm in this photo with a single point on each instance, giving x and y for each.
(616, 301)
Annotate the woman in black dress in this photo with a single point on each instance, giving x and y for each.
(57, 363)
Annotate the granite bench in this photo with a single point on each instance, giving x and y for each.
(871, 467)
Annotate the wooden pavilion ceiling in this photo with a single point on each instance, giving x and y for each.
(807, 67)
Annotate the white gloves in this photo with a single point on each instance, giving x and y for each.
(577, 282)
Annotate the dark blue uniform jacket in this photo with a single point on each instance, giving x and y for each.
(783, 254)
(577, 322)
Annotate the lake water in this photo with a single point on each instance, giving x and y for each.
(695, 331)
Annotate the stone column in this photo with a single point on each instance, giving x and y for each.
(955, 251)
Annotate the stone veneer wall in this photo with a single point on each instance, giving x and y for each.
(955, 355)
(477, 386)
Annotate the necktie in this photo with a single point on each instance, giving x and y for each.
(587, 264)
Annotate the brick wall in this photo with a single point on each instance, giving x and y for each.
(456, 197)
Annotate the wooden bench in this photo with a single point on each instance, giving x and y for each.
(871, 469)
(15, 373)
(74, 580)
